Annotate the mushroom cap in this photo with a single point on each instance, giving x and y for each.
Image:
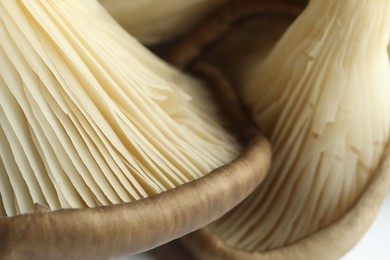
(207, 243)
(87, 122)
(118, 230)
(72, 82)
(341, 235)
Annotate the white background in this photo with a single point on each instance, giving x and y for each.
(375, 245)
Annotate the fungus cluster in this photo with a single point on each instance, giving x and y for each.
(105, 148)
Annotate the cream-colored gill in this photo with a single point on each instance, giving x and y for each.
(90, 117)
(322, 97)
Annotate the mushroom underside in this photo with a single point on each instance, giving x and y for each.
(87, 123)
(236, 235)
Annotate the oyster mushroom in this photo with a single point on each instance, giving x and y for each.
(92, 127)
(321, 96)
(157, 21)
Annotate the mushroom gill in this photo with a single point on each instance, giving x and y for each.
(89, 117)
(157, 21)
(322, 98)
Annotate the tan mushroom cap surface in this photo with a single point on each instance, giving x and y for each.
(90, 118)
(321, 96)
